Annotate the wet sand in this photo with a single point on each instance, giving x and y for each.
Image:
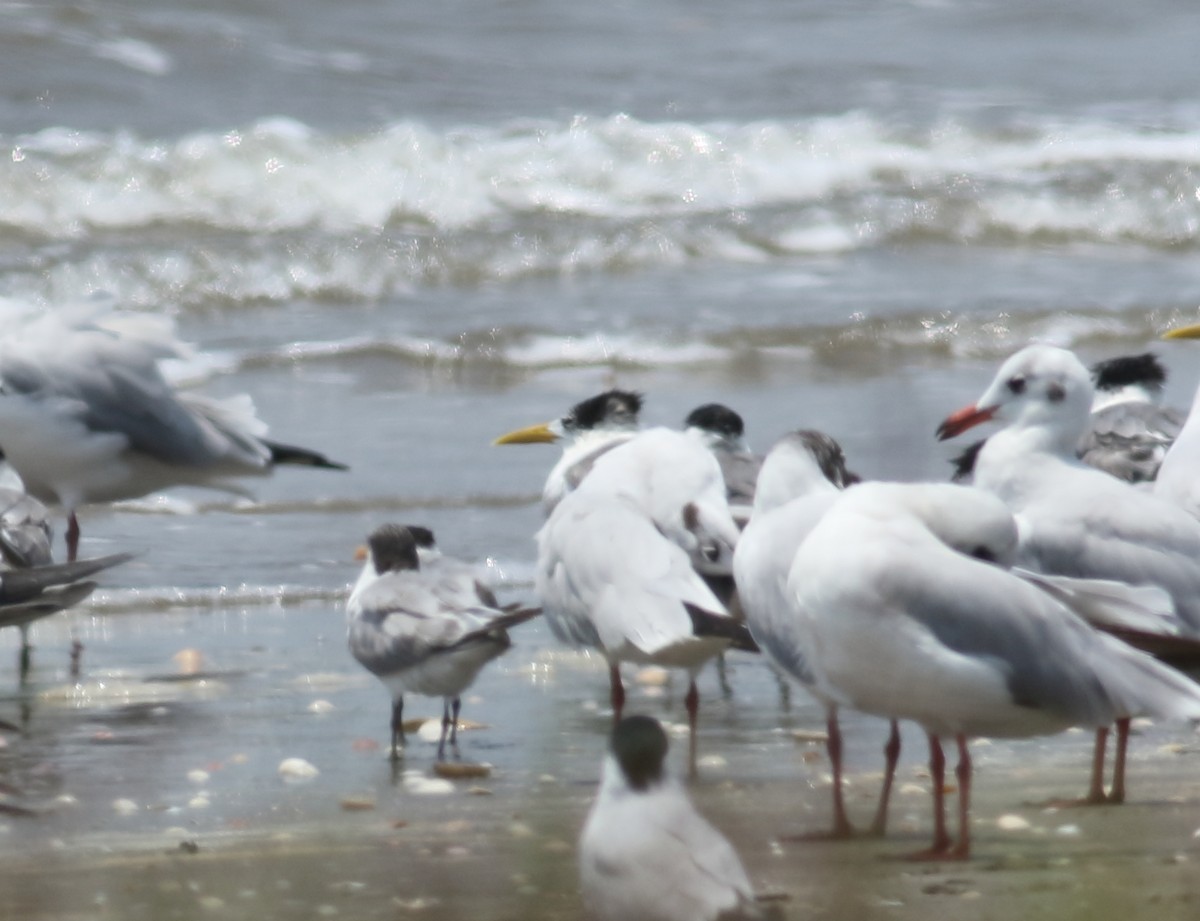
(152, 793)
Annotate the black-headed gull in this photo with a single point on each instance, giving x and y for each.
(402, 631)
(645, 853)
(86, 414)
(912, 618)
(801, 478)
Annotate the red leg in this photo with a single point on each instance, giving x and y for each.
(891, 752)
(841, 822)
(1095, 794)
(963, 772)
(1118, 785)
(617, 690)
(937, 777)
(692, 702)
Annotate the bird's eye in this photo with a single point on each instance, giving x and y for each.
(1016, 384)
(1056, 393)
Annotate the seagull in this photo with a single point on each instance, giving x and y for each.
(802, 477)
(645, 852)
(1075, 520)
(591, 428)
(913, 619)
(405, 634)
(86, 414)
(615, 569)
(32, 585)
(1128, 431)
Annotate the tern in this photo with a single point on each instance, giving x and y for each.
(645, 853)
(401, 629)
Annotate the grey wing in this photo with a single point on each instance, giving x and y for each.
(1129, 440)
(1047, 655)
(741, 474)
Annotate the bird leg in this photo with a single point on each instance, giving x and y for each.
(26, 655)
(617, 692)
(441, 755)
(397, 727)
(962, 772)
(1118, 785)
(937, 775)
(72, 537)
(692, 703)
(833, 745)
(891, 753)
(1095, 794)
(455, 705)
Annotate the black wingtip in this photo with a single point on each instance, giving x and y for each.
(706, 623)
(301, 457)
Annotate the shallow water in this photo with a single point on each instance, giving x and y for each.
(405, 230)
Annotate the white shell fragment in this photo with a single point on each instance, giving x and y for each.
(297, 770)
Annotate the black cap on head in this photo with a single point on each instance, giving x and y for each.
(717, 418)
(421, 535)
(640, 747)
(392, 548)
(829, 457)
(1125, 370)
(615, 408)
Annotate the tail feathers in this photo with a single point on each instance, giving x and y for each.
(499, 624)
(20, 585)
(1141, 685)
(55, 599)
(301, 457)
(722, 626)
(1180, 651)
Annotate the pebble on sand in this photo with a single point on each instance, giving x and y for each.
(297, 770)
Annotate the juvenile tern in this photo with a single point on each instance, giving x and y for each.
(402, 631)
(86, 414)
(913, 619)
(591, 428)
(645, 853)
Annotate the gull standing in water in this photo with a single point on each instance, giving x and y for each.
(86, 414)
(912, 618)
(617, 559)
(1075, 520)
(645, 853)
(412, 640)
(592, 427)
(802, 477)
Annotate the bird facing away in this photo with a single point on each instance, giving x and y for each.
(801, 478)
(723, 432)
(591, 428)
(645, 853)
(86, 414)
(404, 632)
(616, 561)
(914, 619)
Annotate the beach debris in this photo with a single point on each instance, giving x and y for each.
(297, 770)
(459, 770)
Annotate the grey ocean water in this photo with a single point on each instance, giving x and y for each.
(407, 228)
